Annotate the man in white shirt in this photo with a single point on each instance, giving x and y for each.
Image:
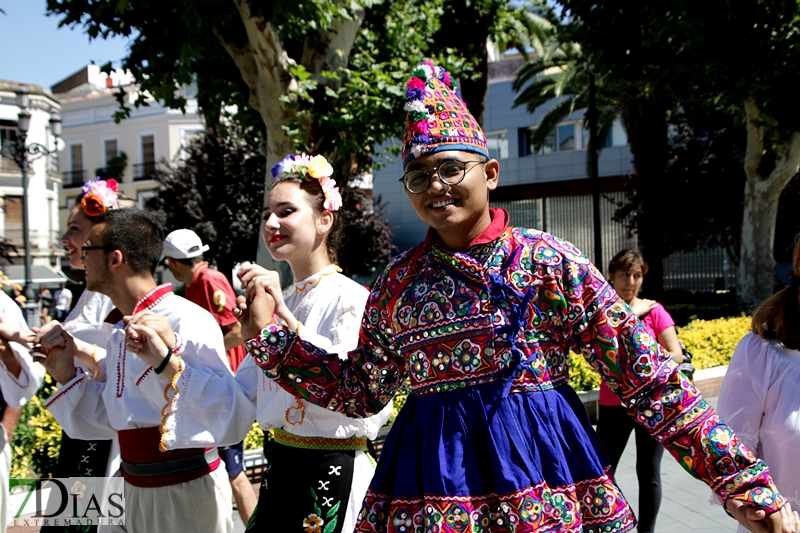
(124, 395)
(63, 301)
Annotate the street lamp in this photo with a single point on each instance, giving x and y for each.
(23, 154)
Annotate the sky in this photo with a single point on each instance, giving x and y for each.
(33, 49)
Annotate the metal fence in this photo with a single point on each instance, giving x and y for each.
(571, 218)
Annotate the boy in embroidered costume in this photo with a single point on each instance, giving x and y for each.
(482, 316)
(211, 290)
(319, 471)
(125, 396)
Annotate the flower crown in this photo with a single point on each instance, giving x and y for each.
(305, 168)
(99, 196)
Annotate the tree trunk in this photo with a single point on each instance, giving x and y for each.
(761, 197)
(646, 125)
(264, 65)
(473, 92)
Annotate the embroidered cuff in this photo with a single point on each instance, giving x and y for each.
(273, 340)
(755, 487)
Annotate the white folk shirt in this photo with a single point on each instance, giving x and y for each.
(87, 322)
(129, 394)
(760, 400)
(330, 307)
(18, 390)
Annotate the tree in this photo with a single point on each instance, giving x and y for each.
(681, 50)
(217, 192)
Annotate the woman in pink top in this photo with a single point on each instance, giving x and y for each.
(626, 272)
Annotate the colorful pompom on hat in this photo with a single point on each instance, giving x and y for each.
(438, 119)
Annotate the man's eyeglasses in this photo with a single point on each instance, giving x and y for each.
(87, 249)
(451, 172)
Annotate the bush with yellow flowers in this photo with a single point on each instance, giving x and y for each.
(37, 439)
(711, 342)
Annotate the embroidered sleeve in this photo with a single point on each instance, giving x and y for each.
(654, 392)
(358, 386)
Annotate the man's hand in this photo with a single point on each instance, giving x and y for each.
(49, 336)
(157, 323)
(59, 360)
(758, 521)
(147, 343)
(256, 313)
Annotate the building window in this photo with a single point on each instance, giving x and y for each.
(146, 168)
(564, 137)
(74, 177)
(497, 143)
(111, 150)
(8, 134)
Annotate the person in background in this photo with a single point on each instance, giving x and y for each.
(63, 302)
(211, 290)
(45, 299)
(760, 396)
(626, 273)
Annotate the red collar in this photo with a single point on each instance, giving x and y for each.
(493, 231)
(153, 297)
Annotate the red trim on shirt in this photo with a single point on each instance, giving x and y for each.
(52, 400)
(148, 301)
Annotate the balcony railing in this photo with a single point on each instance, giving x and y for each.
(41, 241)
(74, 178)
(145, 171)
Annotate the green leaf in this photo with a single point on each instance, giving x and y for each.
(331, 525)
(332, 510)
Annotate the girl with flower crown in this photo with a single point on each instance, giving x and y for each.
(318, 468)
(86, 321)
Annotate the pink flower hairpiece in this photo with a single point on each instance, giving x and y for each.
(306, 167)
(98, 196)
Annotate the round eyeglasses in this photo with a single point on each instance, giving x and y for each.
(450, 172)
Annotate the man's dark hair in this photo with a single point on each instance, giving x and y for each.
(189, 262)
(138, 234)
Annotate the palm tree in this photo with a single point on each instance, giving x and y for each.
(559, 70)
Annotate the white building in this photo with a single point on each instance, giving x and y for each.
(44, 183)
(152, 136)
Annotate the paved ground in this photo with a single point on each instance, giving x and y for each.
(685, 503)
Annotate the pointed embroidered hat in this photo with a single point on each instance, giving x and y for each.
(438, 119)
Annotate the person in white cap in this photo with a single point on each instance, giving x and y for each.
(211, 290)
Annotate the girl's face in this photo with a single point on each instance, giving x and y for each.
(78, 227)
(292, 230)
(628, 282)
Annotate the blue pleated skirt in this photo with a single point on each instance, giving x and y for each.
(480, 459)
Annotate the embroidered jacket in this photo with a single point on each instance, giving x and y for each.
(510, 308)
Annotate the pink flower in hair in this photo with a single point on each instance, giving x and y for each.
(333, 200)
(416, 83)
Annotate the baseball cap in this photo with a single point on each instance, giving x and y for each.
(183, 244)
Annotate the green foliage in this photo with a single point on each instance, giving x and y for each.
(37, 439)
(114, 168)
(711, 342)
(254, 438)
(582, 376)
(217, 191)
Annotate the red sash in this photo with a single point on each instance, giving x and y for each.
(140, 447)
